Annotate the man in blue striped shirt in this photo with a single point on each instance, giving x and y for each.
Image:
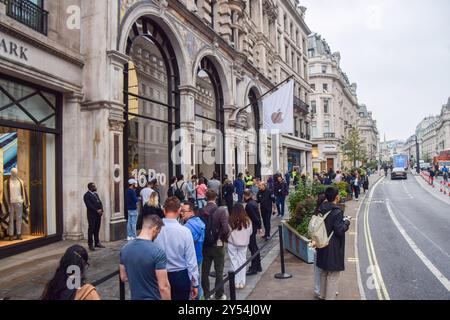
(178, 244)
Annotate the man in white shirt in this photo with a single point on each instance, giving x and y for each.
(338, 177)
(178, 244)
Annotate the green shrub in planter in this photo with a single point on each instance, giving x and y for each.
(343, 194)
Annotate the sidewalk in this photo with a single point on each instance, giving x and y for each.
(23, 276)
(301, 285)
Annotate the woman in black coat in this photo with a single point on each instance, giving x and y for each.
(331, 259)
(227, 191)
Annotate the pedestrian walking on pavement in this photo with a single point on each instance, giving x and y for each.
(330, 259)
(63, 285)
(356, 184)
(445, 173)
(178, 244)
(239, 186)
(365, 183)
(266, 199)
(191, 189)
(238, 241)
(281, 191)
(197, 227)
(216, 234)
(228, 191)
(131, 201)
(321, 198)
(143, 264)
(251, 208)
(94, 216)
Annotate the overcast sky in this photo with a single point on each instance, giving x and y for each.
(397, 51)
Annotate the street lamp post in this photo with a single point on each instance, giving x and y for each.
(417, 157)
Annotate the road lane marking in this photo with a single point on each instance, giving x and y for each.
(381, 290)
(418, 230)
(435, 271)
(362, 293)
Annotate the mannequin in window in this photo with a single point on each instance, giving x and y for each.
(16, 203)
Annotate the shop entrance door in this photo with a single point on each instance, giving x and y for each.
(330, 164)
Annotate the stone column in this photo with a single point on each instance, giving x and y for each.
(309, 168)
(73, 205)
(187, 125)
(303, 161)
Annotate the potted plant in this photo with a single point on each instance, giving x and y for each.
(301, 205)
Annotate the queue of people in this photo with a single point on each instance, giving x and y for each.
(172, 247)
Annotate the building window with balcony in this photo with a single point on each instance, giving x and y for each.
(29, 12)
(326, 126)
(313, 87)
(324, 68)
(325, 87)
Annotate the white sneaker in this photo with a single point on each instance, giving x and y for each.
(223, 297)
(129, 238)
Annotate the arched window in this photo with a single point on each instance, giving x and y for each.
(209, 116)
(151, 104)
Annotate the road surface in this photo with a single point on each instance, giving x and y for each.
(404, 242)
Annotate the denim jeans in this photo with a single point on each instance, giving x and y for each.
(180, 285)
(280, 205)
(131, 225)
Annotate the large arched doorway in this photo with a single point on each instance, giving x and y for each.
(209, 121)
(253, 140)
(152, 104)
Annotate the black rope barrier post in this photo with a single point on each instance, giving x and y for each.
(121, 289)
(283, 274)
(231, 278)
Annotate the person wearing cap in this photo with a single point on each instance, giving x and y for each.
(131, 200)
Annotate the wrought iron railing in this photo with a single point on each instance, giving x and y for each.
(300, 104)
(329, 135)
(27, 13)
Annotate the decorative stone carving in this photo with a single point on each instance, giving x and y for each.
(271, 9)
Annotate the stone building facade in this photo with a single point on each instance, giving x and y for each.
(334, 104)
(144, 89)
(369, 132)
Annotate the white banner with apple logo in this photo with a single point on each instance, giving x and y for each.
(278, 109)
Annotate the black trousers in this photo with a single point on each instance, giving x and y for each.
(266, 216)
(180, 285)
(253, 247)
(94, 221)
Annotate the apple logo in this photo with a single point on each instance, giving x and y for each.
(277, 117)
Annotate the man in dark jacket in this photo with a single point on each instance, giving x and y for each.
(265, 198)
(94, 214)
(214, 252)
(281, 191)
(331, 258)
(239, 186)
(251, 208)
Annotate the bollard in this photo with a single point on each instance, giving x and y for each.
(121, 289)
(231, 279)
(283, 274)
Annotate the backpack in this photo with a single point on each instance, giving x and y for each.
(179, 192)
(211, 231)
(318, 231)
(170, 192)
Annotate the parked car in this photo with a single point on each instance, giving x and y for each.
(397, 173)
(425, 166)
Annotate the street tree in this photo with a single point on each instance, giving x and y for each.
(353, 148)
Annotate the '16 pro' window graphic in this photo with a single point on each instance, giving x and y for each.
(8, 151)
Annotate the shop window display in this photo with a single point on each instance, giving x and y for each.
(27, 164)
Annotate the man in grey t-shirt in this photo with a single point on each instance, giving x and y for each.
(143, 264)
(215, 185)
